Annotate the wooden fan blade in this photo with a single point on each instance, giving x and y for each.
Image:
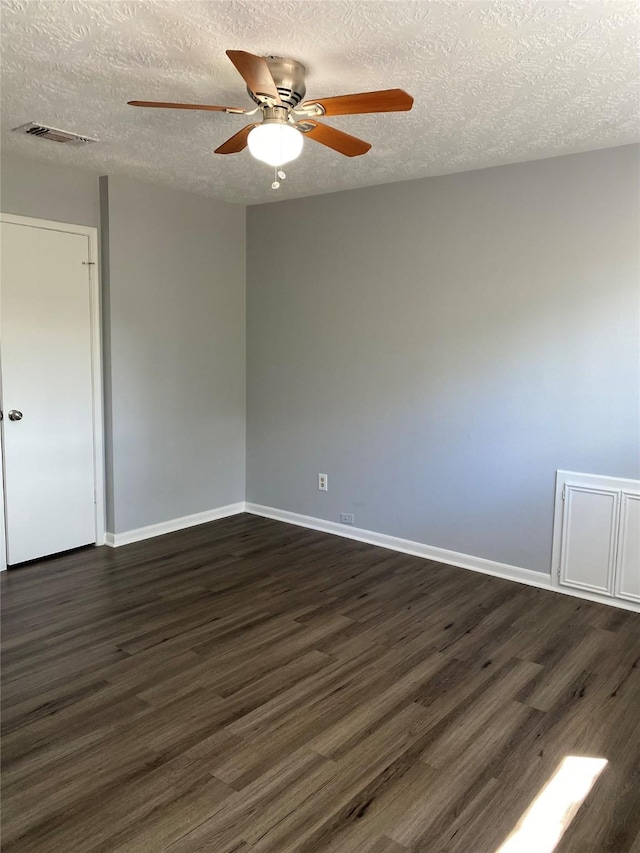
(385, 101)
(255, 72)
(346, 144)
(237, 142)
(169, 106)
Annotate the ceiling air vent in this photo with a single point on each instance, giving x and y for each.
(53, 134)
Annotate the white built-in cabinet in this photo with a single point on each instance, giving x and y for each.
(597, 536)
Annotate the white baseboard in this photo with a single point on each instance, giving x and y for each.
(392, 543)
(405, 546)
(429, 552)
(114, 540)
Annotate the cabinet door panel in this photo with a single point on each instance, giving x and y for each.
(628, 558)
(589, 529)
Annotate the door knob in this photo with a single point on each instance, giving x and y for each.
(15, 415)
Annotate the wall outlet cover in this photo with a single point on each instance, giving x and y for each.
(347, 518)
(323, 483)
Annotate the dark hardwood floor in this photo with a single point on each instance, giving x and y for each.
(251, 686)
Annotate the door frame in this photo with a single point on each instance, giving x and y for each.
(93, 267)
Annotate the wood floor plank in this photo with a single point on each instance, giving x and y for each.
(247, 686)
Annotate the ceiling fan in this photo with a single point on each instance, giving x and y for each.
(277, 86)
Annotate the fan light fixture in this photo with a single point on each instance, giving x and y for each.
(275, 143)
(276, 85)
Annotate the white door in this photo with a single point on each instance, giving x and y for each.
(47, 395)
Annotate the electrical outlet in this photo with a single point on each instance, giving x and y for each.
(346, 518)
(323, 482)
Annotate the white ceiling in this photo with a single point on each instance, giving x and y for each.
(493, 82)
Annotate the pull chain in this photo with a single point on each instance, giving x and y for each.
(277, 173)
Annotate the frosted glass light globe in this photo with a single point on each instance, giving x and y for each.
(275, 144)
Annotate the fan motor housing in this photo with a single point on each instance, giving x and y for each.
(289, 77)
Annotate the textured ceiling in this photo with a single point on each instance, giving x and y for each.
(493, 82)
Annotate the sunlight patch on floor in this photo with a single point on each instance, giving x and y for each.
(545, 821)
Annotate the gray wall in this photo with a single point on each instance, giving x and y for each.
(42, 191)
(440, 347)
(174, 293)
